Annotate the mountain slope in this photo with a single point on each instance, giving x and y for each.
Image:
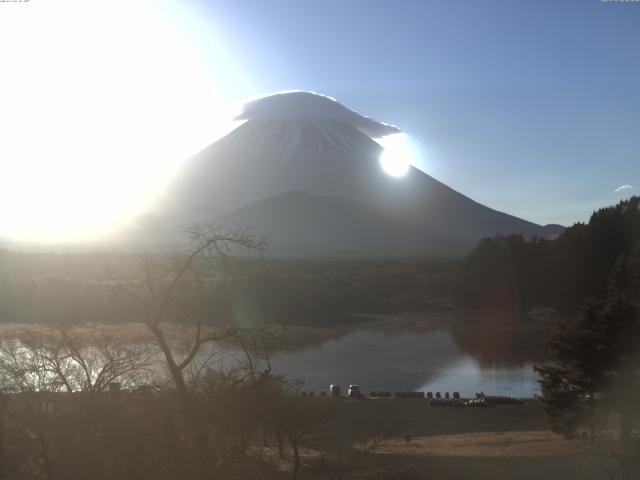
(309, 143)
(301, 224)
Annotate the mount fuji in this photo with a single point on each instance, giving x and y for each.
(305, 170)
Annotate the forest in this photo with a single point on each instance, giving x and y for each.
(515, 273)
(81, 288)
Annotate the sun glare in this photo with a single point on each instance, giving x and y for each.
(100, 101)
(397, 156)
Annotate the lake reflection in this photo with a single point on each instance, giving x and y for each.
(408, 360)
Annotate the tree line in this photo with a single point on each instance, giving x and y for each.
(75, 288)
(514, 273)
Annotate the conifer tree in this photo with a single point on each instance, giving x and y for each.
(594, 358)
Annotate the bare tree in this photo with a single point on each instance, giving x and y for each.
(159, 293)
(296, 418)
(54, 408)
(210, 244)
(64, 423)
(69, 361)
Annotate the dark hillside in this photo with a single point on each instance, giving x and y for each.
(514, 273)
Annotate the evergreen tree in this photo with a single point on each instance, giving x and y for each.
(578, 351)
(594, 357)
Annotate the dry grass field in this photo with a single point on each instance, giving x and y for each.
(499, 443)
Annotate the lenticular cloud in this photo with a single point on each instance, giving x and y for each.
(301, 105)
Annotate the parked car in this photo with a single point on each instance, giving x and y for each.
(354, 391)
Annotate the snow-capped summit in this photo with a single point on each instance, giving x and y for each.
(305, 170)
(300, 106)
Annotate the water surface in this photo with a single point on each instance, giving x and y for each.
(456, 359)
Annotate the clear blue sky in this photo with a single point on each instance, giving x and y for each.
(530, 107)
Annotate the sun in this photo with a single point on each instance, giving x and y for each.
(393, 164)
(101, 101)
(397, 156)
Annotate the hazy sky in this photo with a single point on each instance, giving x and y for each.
(530, 107)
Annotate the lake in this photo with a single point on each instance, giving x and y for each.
(495, 359)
